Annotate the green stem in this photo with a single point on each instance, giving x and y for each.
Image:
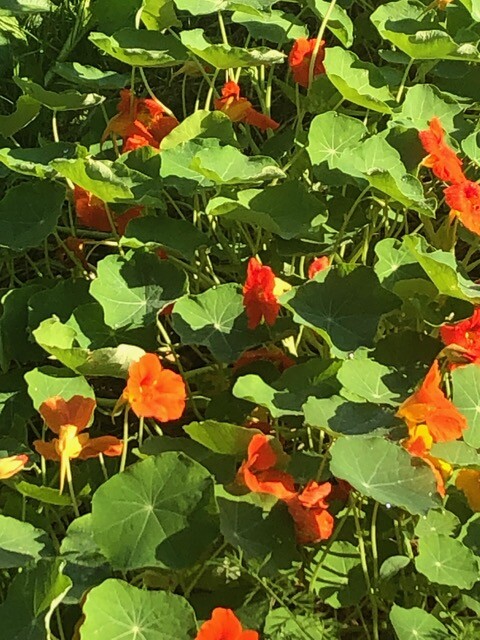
(123, 460)
(72, 493)
(321, 31)
(404, 79)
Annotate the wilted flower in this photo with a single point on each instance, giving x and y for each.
(270, 354)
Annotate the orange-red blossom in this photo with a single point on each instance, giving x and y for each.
(153, 391)
(139, 122)
(224, 625)
(308, 507)
(318, 264)
(92, 212)
(67, 419)
(259, 294)
(240, 109)
(464, 338)
(299, 60)
(12, 465)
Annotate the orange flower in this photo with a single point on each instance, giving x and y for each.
(91, 212)
(270, 354)
(259, 298)
(224, 625)
(468, 481)
(418, 444)
(258, 472)
(68, 419)
(464, 338)
(139, 122)
(464, 200)
(308, 509)
(12, 465)
(240, 109)
(442, 159)
(299, 60)
(318, 264)
(154, 392)
(429, 406)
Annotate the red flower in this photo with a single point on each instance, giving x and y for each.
(259, 298)
(67, 419)
(240, 109)
(139, 122)
(308, 509)
(429, 406)
(299, 60)
(270, 354)
(464, 338)
(442, 159)
(258, 472)
(224, 625)
(318, 264)
(464, 200)
(12, 465)
(154, 392)
(91, 212)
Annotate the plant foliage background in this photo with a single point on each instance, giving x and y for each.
(149, 543)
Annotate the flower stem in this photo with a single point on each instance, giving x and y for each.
(72, 492)
(321, 31)
(123, 460)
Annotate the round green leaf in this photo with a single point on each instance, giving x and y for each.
(158, 513)
(46, 382)
(201, 124)
(29, 213)
(445, 560)
(19, 543)
(90, 77)
(134, 289)
(36, 162)
(221, 437)
(422, 103)
(466, 397)
(64, 101)
(385, 472)
(345, 310)
(224, 56)
(357, 81)
(371, 381)
(26, 110)
(141, 48)
(338, 23)
(417, 624)
(330, 134)
(275, 26)
(116, 610)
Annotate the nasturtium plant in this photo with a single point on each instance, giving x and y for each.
(239, 320)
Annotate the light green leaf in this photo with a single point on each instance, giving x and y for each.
(158, 513)
(46, 495)
(385, 472)
(12, 7)
(64, 101)
(331, 134)
(60, 341)
(46, 382)
(274, 26)
(20, 543)
(132, 290)
(90, 77)
(470, 146)
(457, 453)
(202, 7)
(141, 48)
(346, 311)
(118, 610)
(445, 560)
(473, 6)
(221, 437)
(224, 56)
(357, 81)
(29, 213)
(395, 264)
(422, 103)
(36, 162)
(217, 320)
(410, 28)
(271, 209)
(201, 124)
(26, 110)
(416, 624)
(437, 522)
(159, 15)
(466, 397)
(339, 22)
(371, 381)
(443, 270)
